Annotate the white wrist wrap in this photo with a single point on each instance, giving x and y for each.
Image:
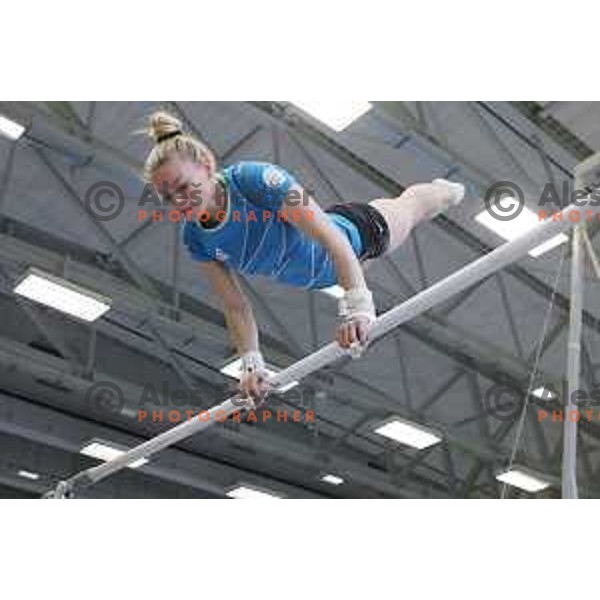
(357, 303)
(253, 362)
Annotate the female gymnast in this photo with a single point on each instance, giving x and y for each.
(254, 218)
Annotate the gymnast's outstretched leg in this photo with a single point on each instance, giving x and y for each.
(417, 203)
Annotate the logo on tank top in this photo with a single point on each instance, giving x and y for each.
(273, 177)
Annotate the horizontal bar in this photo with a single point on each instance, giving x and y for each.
(413, 307)
(155, 444)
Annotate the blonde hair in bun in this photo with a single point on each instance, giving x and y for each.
(170, 141)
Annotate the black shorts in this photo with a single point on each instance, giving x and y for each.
(372, 227)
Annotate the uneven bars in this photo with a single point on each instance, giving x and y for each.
(413, 307)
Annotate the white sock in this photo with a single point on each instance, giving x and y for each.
(457, 191)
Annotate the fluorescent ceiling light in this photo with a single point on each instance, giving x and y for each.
(245, 492)
(408, 433)
(62, 295)
(525, 481)
(553, 242)
(11, 129)
(337, 115)
(332, 479)
(28, 475)
(335, 291)
(544, 393)
(105, 451)
(514, 228)
(234, 369)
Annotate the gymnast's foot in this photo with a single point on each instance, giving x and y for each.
(455, 193)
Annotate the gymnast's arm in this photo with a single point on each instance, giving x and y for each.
(236, 306)
(356, 309)
(314, 222)
(241, 326)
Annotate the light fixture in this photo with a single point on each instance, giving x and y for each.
(234, 369)
(553, 242)
(335, 291)
(62, 295)
(408, 433)
(11, 129)
(544, 393)
(332, 479)
(520, 478)
(28, 475)
(105, 451)
(511, 229)
(337, 115)
(246, 492)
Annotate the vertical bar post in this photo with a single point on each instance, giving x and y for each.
(569, 462)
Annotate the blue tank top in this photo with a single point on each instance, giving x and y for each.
(252, 241)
